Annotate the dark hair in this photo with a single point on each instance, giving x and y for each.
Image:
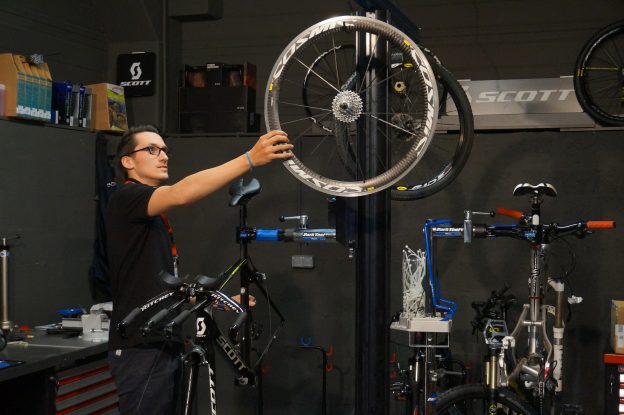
(128, 142)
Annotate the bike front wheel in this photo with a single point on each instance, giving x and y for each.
(599, 75)
(323, 91)
(473, 399)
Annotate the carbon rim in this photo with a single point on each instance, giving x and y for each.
(338, 106)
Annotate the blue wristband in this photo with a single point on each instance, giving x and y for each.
(251, 165)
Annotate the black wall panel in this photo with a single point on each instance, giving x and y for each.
(47, 178)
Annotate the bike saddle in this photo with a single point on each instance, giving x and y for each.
(538, 189)
(171, 281)
(241, 193)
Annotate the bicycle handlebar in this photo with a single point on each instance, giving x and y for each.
(527, 232)
(516, 214)
(203, 289)
(123, 324)
(600, 224)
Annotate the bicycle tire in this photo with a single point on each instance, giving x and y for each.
(599, 75)
(448, 152)
(471, 399)
(403, 157)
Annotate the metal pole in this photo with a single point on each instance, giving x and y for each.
(372, 267)
(6, 324)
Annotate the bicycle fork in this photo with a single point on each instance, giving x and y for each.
(558, 329)
(195, 358)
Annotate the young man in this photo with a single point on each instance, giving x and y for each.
(140, 245)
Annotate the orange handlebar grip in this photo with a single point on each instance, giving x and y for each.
(516, 214)
(600, 224)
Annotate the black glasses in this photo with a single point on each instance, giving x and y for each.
(153, 150)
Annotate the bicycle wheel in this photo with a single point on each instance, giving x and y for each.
(599, 76)
(337, 93)
(449, 149)
(472, 399)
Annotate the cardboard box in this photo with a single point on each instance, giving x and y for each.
(617, 326)
(28, 91)
(108, 112)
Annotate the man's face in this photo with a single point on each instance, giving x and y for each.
(147, 163)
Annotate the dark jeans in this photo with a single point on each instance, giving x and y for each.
(146, 379)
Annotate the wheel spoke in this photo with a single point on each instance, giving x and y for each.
(380, 82)
(393, 125)
(326, 64)
(310, 118)
(304, 106)
(372, 55)
(336, 61)
(319, 76)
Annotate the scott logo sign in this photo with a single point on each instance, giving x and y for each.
(201, 327)
(136, 72)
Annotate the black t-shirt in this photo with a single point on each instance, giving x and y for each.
(139, 247)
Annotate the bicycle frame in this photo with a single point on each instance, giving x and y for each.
(534, 314)
(206, 291)
(539, 371)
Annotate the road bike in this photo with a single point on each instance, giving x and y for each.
(537, 373)
(355, 75)
(599, 75)
(202, 296)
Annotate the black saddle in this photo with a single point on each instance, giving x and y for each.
(540, 189)
(241, 193)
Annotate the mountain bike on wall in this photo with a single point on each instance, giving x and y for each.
(599, 75)
(536, 373)
(320, 91)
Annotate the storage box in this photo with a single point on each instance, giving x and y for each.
(220, 75)
(108, 112)
(617, 326)
(28, 92)
(224, 99)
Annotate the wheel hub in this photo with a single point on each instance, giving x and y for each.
(347, 106)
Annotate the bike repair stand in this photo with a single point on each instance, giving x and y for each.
(6, 324)
(241, 194)
(420, 333)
